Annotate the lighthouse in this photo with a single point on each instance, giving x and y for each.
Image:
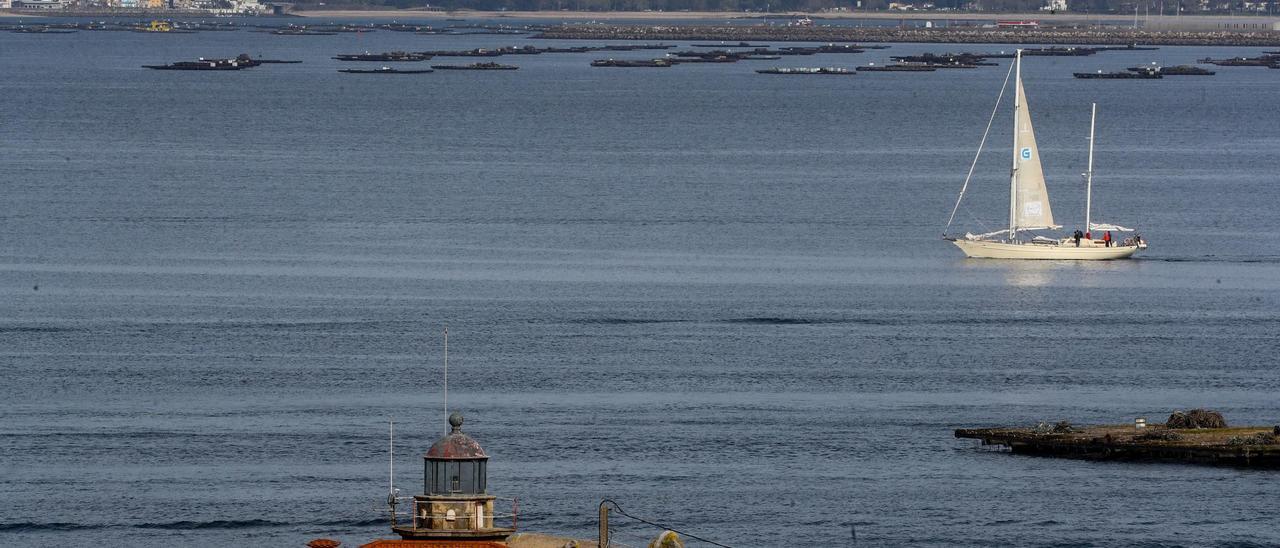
(454, 509)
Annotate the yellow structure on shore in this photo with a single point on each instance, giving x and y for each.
(157, 26)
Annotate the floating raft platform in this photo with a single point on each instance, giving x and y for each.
(1249, 446)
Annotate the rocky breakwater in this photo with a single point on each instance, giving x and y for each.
(1198, 436)
(949, 35)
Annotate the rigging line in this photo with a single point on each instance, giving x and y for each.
(661, 526)
(981, 144)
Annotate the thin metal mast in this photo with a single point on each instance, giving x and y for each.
(392, 468)
(1013, 174)
(391, 496)
(446, 372)
(1088, 186)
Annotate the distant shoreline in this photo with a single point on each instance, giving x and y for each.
(737, 15)
(1103, 36)
(660, 15)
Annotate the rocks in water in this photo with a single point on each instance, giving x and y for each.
(668, 539)
(1063, 427)
(1196, 418)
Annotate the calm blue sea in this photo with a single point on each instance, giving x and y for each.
(716, 297)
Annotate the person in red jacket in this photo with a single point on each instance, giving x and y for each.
(1106, 238)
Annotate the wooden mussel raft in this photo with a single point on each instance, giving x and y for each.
(1196, 437)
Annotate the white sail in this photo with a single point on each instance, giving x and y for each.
(1031, 204)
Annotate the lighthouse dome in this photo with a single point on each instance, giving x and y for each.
(456, 445)
(455, 464)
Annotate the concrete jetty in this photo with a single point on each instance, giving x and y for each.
(945, 35)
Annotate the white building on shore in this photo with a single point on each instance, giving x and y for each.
(37, 4)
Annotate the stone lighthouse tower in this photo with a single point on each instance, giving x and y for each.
(454, 505)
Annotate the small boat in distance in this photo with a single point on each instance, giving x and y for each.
(1029, 204)
(900, 67)
(808, 70)
(1131, 74)
(476, 66)
(385, 70)
(653, 63)
(391, 56)
(1180, 70)
(241, 62)
(724, 45)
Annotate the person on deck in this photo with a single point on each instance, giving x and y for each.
(1076, 236)
(1106, 238)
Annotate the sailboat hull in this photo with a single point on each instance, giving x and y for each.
(986, 249)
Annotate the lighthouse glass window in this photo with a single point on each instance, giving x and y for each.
(456, 477)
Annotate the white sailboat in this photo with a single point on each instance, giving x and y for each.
(1029, 208)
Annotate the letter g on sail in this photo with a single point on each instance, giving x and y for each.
(1025, 153)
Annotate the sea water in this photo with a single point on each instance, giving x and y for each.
(716, 297)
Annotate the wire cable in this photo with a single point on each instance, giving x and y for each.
(659, 525)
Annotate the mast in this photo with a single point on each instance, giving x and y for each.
(391, 496)
(446, 372)
(1088, 176)
(1013, 173)
(392, 454)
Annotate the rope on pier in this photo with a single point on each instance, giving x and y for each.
(619, 510)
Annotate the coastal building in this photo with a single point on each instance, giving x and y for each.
(38, 4)
(454, 505)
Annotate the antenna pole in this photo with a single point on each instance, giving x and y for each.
(1088, 186)
(392, 452)
(446, 372)
(391, 496)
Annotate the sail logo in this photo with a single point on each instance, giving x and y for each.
(1032, 209)
(1025, 153)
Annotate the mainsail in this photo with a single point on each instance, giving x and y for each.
(1031, 200)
